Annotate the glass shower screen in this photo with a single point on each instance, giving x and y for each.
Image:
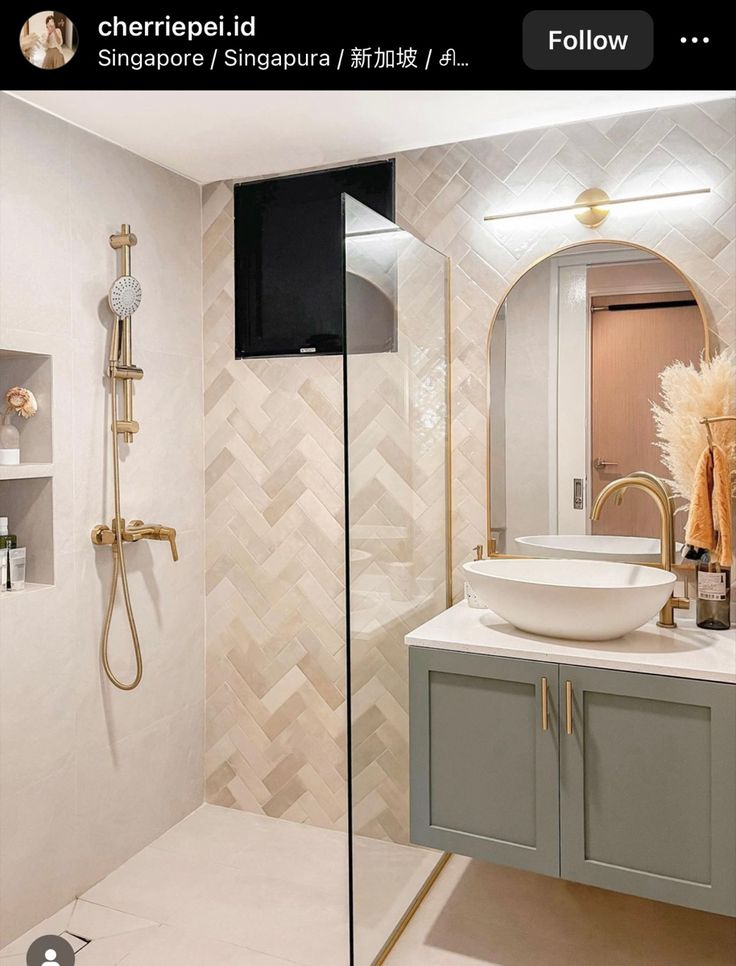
(397, 535)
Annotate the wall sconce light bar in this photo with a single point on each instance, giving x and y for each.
(592, 206)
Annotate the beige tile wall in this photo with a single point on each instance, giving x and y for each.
(89, 775)
(274, 531)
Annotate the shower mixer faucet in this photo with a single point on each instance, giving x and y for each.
(136, 530)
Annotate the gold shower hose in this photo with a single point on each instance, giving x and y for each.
(118, 572)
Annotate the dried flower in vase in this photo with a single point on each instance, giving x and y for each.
(21, 401)
(687, 395)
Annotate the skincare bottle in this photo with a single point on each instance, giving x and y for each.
(17, 573)
(714, 595)
(8, 542)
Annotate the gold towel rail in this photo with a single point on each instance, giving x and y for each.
(707, 420)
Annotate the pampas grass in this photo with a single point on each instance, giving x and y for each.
(688, 394)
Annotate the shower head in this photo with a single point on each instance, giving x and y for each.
(125, 296)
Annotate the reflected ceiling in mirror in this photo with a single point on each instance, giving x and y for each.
(575, 352)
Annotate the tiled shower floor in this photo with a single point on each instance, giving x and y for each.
(227, 888)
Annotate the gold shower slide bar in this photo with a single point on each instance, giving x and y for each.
(120, 371)
(127, 426)
(124, 240)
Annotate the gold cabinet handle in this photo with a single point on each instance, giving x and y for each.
(545, 704)
(568, 707)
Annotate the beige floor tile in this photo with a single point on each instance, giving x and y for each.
(479, 913)
(114, 949)
(387, 879)
(210, 832)
(236, 889)
(296, 922)
(263, 846)
(51, 926)
(174, 947)
(99, 922)
(154, 884)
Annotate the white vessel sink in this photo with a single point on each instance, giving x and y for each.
(581, 546)
(579, 600)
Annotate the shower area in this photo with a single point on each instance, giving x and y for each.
(207, 762)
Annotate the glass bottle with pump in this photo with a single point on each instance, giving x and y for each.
(714, 594)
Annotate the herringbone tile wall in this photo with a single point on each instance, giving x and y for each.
(276, 733)
(275, 571)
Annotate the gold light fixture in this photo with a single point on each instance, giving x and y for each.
(592, 207)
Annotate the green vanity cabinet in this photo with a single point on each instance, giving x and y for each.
(648, 786)
(631, 787)
(483, 769)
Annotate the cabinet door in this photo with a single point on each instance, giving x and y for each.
(648, 787)
(484, 770)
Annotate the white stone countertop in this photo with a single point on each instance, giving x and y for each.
(687, 651)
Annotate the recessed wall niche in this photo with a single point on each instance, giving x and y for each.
(32, 370)
(28, 505)
(26, 490)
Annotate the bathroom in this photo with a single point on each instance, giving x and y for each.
(255, 701)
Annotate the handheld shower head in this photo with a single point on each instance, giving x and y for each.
(125, 296)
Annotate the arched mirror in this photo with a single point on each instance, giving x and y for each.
(575, 352)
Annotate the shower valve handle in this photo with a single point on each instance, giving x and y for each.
(137, 530)
(170, 534)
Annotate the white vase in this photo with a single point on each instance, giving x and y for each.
(9, 442)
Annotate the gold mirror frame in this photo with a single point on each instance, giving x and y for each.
(502, 302)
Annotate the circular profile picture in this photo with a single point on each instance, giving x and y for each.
(48, 39)
(50, 951)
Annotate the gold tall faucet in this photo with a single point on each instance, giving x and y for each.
(660, 493)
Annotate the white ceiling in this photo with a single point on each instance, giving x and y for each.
(208, 135)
